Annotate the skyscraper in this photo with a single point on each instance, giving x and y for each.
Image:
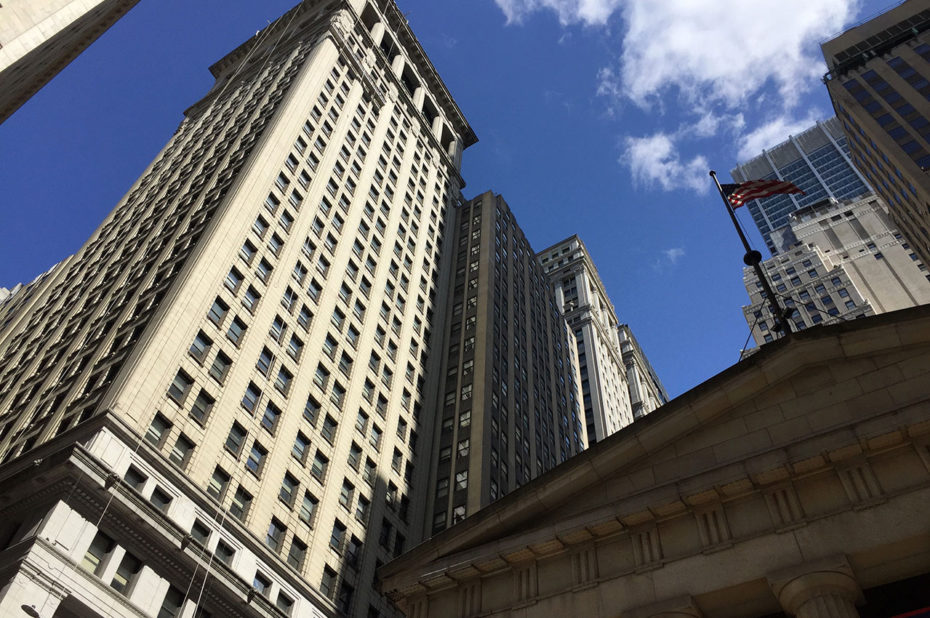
(849, 261)
(509, 402)
(878, 81)
(38, 38)
(237, 357)
(613, 368)
(817, 160)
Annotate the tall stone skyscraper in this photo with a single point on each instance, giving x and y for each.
(848, 261)
(38, 38)
(878, 81)
(618, 385)
(509, 402)
(229, 377)
(816, 160)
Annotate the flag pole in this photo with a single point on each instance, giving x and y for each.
(754, 258)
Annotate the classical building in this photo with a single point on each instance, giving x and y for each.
(38, 38)
(796, 482)
(509, 406)
(877, 79)
(847, 260)
(618, 385)
(244, 341)
(817, 160)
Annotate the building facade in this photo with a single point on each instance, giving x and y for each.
(877, 80)
(38, 38)
(510, 407)
(259, 312)
(791, 484)
(818, 161)
(848, 261)
(618, 385)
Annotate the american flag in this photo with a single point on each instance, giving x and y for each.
(740, 193)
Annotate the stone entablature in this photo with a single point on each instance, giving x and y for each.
(814, 452)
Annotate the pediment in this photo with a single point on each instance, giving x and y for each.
(754, 423)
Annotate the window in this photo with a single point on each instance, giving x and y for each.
(218, 483)
(328, 430)
(355, 456)
(278, 328)
(236, 331)
(236, 439)
(264, 362)
(295, 347)
(201, 347)
(220, 367)
(328, 583)
(442, 488)
(158, 430)
(283, 380)
(338, 536)
(180, 386)
(261, 584)
(224, 553)
(181, 451)
(301, 446)
(172, 603)
(202, 406)
(95, 556)
(256, 459)
(233, 280)
(270, 418)
(288, 490)
(311, 410)
(218, 312)
(160, 500)
(297, 554)
(318, 469)
(251, 298)
(275, 537)
(126, 574)
(346, 494)
(200, 532)
(461, 480)
(251, 397)
(463, 447)
(307, 508)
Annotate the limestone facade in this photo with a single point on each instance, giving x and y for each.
(38, 38)
(793, 483)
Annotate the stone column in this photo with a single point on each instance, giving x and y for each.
(826, 589)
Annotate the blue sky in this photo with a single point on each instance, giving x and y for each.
(595, 117)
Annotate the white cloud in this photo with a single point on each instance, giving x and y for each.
(654, 161)
(725, 50)
(589, 12)
(774, 132)
(674, 254)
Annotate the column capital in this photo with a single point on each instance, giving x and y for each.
(799, 589)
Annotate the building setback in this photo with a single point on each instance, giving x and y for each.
(817, 160)
(878, 81)
(618, 385)
(510, 405)
(38, 38)
(243, 343)
(848, 261)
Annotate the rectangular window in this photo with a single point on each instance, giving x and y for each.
(218, 483)
(236, 439)
(126, 574)
(202, 406)
(307, 508)
(251, 397)
(158, 431)
(220, 367)
(288, 490)
(241, 503)
(180, 387)
(271, 416)
(224, 553)
(256, 459)
(275, 537)
(297, 554)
